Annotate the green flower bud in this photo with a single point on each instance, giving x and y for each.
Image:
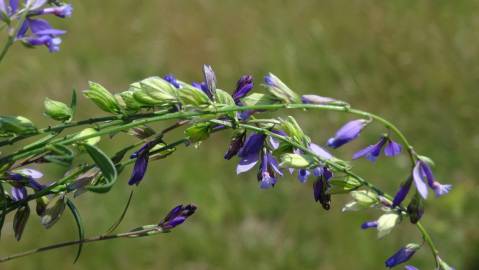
(258, 99)
(280, 90)
(415, 208)
(387, 222)
(159, 89)
(53, 211)
(102, 98)
(87, 132)
(292, 128)
(223, 97)
(443, 265)
(190, 95)
(339, 186)
(365, 198)
(16, 125)
(129, 102)
(198, 132)
(290, 160)
(57, 110)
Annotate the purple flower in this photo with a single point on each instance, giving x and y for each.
(369, 224)
(62, 11)
(410, 267)
(372, 151)
(172, 79)
(303, 174)
(422, 174)
(402, 255)
(402, 192)
(244, 85)
(177, 216)
(249, 153)
(42, 34)
(24, 177)
(268, 170)
(347, 133)
(141, 164)
(315, 99)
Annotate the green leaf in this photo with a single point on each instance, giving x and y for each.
(81, 230)
(106, 166)
(20, 221)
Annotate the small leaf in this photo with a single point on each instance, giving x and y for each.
(20, 220)
(53, 211)
(106, 166)
(81, 230)
(73, 104)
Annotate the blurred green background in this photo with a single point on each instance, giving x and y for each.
(414, 62)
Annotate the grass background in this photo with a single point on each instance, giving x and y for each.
(414, 62)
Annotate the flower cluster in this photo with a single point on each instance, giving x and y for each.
(34, 30)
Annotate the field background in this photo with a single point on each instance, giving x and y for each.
(415, 62)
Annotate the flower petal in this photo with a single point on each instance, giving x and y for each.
(419, 180)
(392, 148)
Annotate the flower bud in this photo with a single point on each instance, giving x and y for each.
(198, 132)
(290, 160)
(87, 132)
(280, 90)
(53, 211)
(57, 110)
(365, 198)
(20, 220)
(415, 208)
(190, 95)
(16, 125)
(159, 90)
(402, 255)
(387, 222)
(102, 98)
(130, 104)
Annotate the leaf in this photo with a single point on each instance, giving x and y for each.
(117, 223)
(73, 104)
(107, 169)
(20, 220)
(61, 155)
(53, 211)
(81, 230)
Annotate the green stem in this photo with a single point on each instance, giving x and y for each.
(427, 238)
(7, 46)
(131, 234)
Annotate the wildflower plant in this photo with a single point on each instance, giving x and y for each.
(275, 148)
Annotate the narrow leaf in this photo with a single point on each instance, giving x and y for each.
(81, 230)
(118, 222)
(20, 220)
(106, 166)
(73, 104)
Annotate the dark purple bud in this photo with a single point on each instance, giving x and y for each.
(235, 145)
(244, 85)
(249, 153)
(172, 80)
(141, 164)
(210, 81)
(402, 192)
(403, 255)
(347, 133)
(315, 99)
(415, 209)
(177, 216)
(369, 224)
(303, 175)
(320, 187)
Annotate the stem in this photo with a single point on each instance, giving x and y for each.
(7, 46)
(428, 239)
(130, 234)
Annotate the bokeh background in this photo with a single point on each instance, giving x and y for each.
(415, 62)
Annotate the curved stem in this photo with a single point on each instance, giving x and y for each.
(7, 46)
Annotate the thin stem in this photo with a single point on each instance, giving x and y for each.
(7, 46)
(429, 241)
(131, 234)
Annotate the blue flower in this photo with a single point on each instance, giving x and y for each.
(62, 11)
(23, 178)
(172, 79)
(249, 153)
(177, 216)
(243, 86)
(42, 34)
(402, 255)
(422, 174)
(372, 152)
(347, 133)
(141, 164)
(268, 169)
(369, 224)
(402, 192)
(303, 174)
